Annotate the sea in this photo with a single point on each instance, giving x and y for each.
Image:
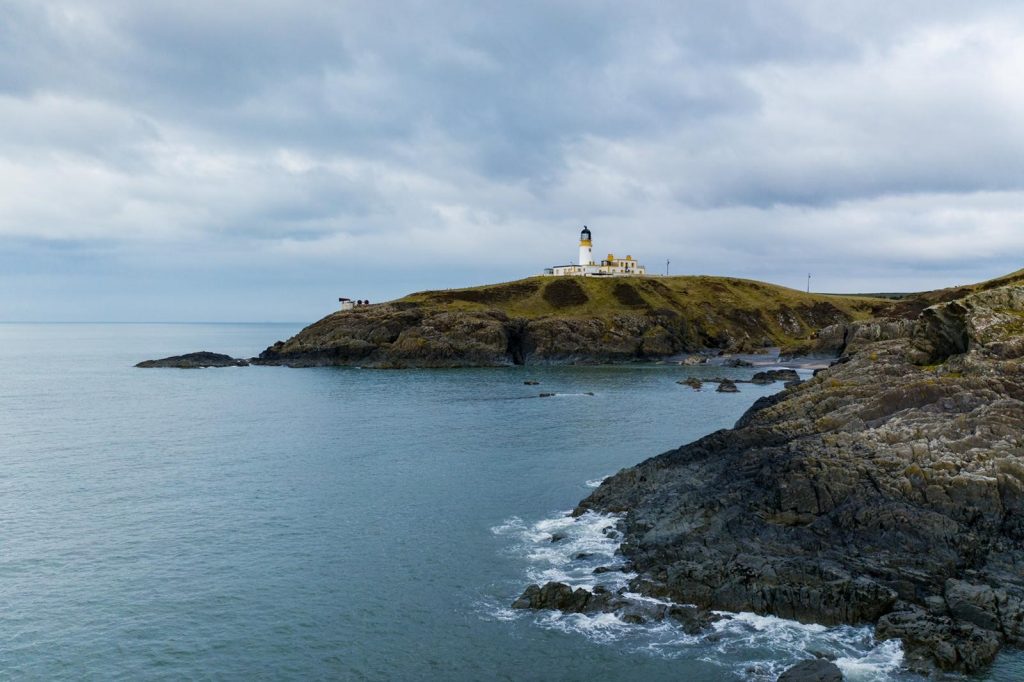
(340, 523)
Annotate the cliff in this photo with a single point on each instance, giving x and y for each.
(889, 489)
(544, 319)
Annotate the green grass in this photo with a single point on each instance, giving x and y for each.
(525, 298)
(713, 304)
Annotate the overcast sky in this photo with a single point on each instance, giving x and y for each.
(255, 160)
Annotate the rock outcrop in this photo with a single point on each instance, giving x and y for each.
(772, 375)
(727, 386)
(561, 597)
(198, 360)
(888, 489)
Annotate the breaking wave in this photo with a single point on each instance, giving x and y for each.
(744, 645)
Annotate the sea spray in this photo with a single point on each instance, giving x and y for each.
(750, 646)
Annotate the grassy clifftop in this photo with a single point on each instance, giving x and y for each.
(600, 296)
(720, 305)
(570, 319)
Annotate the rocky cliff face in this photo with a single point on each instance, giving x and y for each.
(388, 336)
(889, 489)
(565, 320)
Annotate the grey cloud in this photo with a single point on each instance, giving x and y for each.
(389, 130)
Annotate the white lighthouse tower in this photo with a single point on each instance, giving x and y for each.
(611, 266)
(586, 247)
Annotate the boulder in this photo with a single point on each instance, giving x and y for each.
(727, 386)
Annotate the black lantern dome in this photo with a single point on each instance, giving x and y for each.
(585, 234)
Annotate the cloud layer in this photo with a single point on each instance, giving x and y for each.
(252, 160)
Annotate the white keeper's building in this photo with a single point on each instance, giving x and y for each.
(586, 267)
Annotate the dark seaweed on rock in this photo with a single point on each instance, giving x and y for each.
(888, 489)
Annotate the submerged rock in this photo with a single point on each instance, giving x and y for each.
(816, 670)
(693, 382)
(195, 361)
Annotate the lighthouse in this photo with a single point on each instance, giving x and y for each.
(611, 266)
(586, 247)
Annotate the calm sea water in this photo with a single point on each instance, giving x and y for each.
(334, 523)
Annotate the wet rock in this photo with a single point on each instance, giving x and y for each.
(531, 382)
(727, 386)
(558, 537)
(558, 596)
(693, 382)
(546, 395)
(692, 619)
(931, 641)
(772, 375)
(195, 361)
(817, 670)
(737, 362)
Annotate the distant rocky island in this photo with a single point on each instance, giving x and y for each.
(200, 360)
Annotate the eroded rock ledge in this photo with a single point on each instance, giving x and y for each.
(889, 489)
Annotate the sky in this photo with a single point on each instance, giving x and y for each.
(254, 161)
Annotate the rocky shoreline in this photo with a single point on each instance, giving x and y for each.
(887, 490)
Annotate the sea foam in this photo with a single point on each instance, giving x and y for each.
(745, 645)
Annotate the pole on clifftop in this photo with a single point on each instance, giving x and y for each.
(667, 261)
(808, 282)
